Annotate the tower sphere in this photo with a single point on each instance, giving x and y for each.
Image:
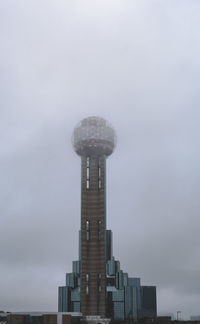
(94, 136)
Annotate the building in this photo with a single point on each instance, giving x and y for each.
(43, 318)
(97, 284)
(3, 317)
(195, 318)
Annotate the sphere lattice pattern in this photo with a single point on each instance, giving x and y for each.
(94, 136)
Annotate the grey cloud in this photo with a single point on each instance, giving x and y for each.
(137, 65)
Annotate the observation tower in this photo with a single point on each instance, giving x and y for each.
(93, 140)
(97, 287)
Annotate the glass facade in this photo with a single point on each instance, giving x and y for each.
(119, 311)
(109, 247)
(148, 301)
(63, 299)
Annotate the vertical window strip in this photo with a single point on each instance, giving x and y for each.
(99, 281)
(87, 283)
(99, 229)
(99, 177)
(87, 230)
(99, 184)
(87, 173)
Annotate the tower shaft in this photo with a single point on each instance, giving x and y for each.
(93, 225)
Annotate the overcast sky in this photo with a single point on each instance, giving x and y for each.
(135, 63)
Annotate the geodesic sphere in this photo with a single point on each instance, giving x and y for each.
(94, 136)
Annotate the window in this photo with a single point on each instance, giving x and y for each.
(87, 230)
(87, 173)
(87, 283)
(99, 177)
(99, 281)
(99, 229)
(99, 184)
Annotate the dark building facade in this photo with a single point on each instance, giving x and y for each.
(148, 301)
(43, 318)
(97, 285)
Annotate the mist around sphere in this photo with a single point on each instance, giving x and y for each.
(94, 136)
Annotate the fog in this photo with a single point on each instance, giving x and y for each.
(136, 64)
